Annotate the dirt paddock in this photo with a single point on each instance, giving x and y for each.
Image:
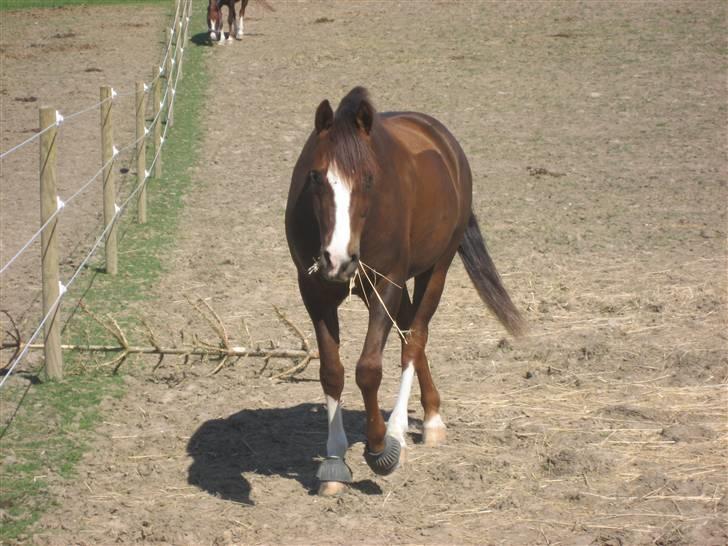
(596, 135)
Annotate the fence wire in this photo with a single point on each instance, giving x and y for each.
(114, 94)
(170, 89)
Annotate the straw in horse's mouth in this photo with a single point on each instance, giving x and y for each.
(352, 283)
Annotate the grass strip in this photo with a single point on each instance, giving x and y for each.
(48, 426)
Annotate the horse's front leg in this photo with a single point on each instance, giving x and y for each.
(382, 450)
(333, 473)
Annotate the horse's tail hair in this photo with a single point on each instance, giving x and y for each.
(484, 275)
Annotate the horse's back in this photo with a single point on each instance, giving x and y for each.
(420, 132)
(440, 186)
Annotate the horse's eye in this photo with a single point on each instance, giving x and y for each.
(315, 178)
(368, 182)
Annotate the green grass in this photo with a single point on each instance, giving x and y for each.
(43, 444)
(26, 4)
(50, 424)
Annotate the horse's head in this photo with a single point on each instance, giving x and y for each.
(214, 20)
(341, 180)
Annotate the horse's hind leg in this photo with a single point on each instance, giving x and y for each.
(428, 290)
(240, 25)
(231, 20)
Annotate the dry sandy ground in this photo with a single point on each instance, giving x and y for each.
(59, 58)
(596, 135)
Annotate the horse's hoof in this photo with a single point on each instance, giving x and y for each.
(239, 35)
(331, 489)
(386, 461)
(334, 469)
(434, 436)
(213, 36)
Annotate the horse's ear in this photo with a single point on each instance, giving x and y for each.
(324, 116)
(365, 116)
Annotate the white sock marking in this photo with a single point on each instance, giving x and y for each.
(398, 423)
(240, 27)
(337, 443)
(434, 422)
(338, 248)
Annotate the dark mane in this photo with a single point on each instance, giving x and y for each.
(352, 154)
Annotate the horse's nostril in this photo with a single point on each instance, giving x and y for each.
(327, 257)
(355, 257)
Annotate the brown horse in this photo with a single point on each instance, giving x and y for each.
(214, 19)
(376, 199)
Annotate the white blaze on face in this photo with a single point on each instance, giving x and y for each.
(337, 443)
(398, 421)
(338, 248)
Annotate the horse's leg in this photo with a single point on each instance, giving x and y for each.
(428, 290)
(382, 450)
(219, 27)
(212, 20)
(231, 20)
(241, 22)
(333, 473)
(398, 423)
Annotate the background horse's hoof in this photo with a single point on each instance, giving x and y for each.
(434, 436)
(331, 489)
(334, 469)
(386, 461)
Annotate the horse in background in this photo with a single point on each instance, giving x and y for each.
(235, 24)
(377, 199)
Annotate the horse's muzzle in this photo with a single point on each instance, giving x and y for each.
(337, 271)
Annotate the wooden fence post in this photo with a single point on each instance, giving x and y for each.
(157, 111)
(141, 152)
(109, 185)
(49, 243)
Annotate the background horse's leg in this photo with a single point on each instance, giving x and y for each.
(428, 290)
(231, 19)
(240, 30)
(382, 451)
(212, 19)
(398, 423)
(333, 473)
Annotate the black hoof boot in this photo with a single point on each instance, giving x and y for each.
(386, 461)
(334, 469)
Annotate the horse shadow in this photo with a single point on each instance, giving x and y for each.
(203, 38)
(285, 442)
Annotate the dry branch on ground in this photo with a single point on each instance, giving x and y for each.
(222, 349)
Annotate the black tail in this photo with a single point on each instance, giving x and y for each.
(484, 275)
